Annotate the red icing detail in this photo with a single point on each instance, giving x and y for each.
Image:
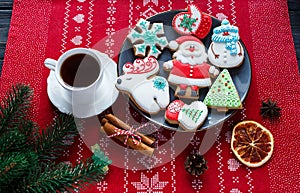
(141, 66)
(226, 33)
(200, 71)
(173, 110)
(204, 27)
(189, 13)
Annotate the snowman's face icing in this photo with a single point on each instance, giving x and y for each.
(227, 34)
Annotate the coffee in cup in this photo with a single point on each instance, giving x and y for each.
(84, 78)
(80, 70)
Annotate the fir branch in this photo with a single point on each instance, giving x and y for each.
(57, 137)
(27, 156)
(63, 177)
(15, 167)
(11, 142)
(19, 138)
(14, 107)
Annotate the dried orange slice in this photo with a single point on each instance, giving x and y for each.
(252, 143)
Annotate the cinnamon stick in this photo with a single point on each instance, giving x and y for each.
(141, 147)
(120, 124)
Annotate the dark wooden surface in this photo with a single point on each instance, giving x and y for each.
(6, 10)
(5, 15)
(294, 11)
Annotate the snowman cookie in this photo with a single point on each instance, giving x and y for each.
(189, 117)
(148, 40)
(150, 93)
(226, 51)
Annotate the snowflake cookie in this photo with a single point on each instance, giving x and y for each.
(146, 36)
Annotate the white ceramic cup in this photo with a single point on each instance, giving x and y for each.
(92, 90)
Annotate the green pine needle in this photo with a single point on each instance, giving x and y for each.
(12, 141)
(15, 166)
(57, 137)
(28, 156)
(14, 107)
(63, 177)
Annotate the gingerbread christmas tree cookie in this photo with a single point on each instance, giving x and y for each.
(223, 94)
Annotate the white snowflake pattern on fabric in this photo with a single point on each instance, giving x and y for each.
(79, 8)
(163, 152)
(197, 184)
(104, 142)
(195, 141)
(221, 7)
(111, 20)
(111, 10)
(235, 179)
(110, 31)
(189, 1)
(164, 169)
(233, 164)
(159, 136)
(109, 42)
(150, 185)
(235, 190)
(102, 186)
(149, 162)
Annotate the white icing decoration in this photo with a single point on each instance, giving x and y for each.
(193, 115)
(142, 90)
(174, 107)
(226, 51)
(220, 57)
(193, 13)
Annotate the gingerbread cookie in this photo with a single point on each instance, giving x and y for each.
(144, 37)
(226, 51)
(150, 93)
(223, 94)
(172, 112)
(192, 22)
(189, 70)
(189, 117)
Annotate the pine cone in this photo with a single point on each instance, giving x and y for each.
(195, 164)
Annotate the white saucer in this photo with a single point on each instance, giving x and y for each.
(104, 97)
